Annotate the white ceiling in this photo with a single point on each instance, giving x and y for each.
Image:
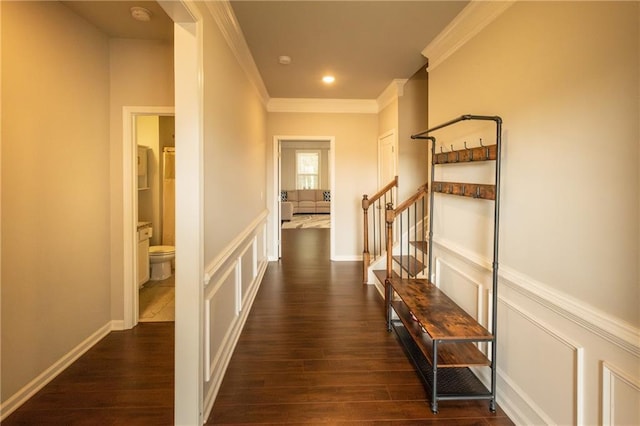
(364, 44)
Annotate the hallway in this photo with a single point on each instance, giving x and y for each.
(314, 351)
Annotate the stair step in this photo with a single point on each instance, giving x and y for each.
(381, 275)
(410, 264)
(421, 245)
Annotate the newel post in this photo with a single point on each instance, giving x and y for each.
(389, 219)
(366, 257)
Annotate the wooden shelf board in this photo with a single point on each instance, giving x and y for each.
(450, 355)
(440, 316)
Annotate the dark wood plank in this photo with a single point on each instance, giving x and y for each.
(473, 190)
(440, 316)
(449, 355)
(479, 153)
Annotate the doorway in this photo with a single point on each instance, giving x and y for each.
(155, 141)
(130, 205)
(282, 180)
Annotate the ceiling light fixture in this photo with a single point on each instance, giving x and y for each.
(284, 60)
(328, 79)
(140, 14)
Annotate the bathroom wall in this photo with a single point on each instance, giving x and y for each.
(156, 133)
(147, 134)
(55, 190)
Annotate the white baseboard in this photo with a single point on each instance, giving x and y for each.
(23, 395)
(348, 258)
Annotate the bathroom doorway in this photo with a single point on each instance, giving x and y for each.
(147, 131)
(155, 140)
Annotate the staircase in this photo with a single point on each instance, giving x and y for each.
(405, 238)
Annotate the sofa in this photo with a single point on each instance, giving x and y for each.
(304, 201)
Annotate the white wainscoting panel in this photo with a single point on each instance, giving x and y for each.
(247, 271)
(546, 365)
(556, 355)
(219, 317)
(463, 289)
(620, 397)
(230, 286)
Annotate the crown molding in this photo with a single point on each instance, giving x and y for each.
(469, 22)
(225, 18)
(346, 106)
(394, 90)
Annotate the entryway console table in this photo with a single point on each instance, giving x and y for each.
(443, 341)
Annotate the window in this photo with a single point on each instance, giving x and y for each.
(308, 169)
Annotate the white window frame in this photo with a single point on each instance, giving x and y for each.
(310, 151)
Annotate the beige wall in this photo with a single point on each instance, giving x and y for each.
(288, 162)
(568, 312)
(568, 97)
(55, 187)
(412, 118)
(355, 165)
(388, 118)
(141, 74)
(234, 146)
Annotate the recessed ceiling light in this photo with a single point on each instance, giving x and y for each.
(284, 60)
(328, 79)
(140, 14)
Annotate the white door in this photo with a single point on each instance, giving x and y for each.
(387, 158)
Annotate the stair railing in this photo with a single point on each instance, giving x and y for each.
(411, 225)
(374, 224)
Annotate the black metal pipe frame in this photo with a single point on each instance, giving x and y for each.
(496, 231)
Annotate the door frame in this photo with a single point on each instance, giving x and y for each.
(277, 226)
(130, 205)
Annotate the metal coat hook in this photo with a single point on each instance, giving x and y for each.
(481, 143)
(457, 153)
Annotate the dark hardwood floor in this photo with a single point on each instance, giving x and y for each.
(125, 379)
(314, 351)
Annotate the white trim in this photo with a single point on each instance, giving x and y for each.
(275, 218)
(226, 254)
(347, 258)
(31, 388)
(130, 207)
(189, 104)
(231, 339)
(469, 22)
(578, 359)
(609, 373)
(393, 91)
(346, 106)
(604, 325)
(222, 13)
(482, 305)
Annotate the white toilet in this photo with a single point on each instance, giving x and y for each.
(160, 258)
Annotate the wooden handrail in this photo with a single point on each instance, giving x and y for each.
(421, 193)
(380, 193)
